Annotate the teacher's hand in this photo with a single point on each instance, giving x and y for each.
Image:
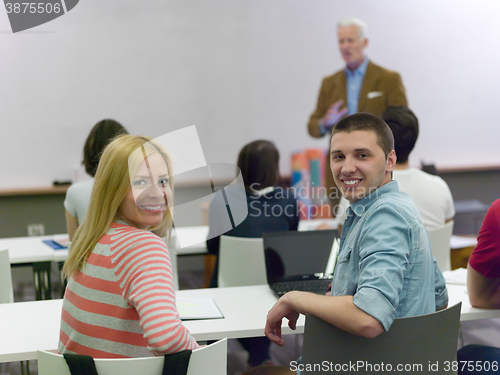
(334, 114)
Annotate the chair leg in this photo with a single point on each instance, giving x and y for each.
(23, 369)
(62, 278)
(41, 277)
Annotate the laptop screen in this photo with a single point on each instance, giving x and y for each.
(297, 255)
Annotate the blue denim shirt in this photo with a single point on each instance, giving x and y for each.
(385, 260)
(354, 82)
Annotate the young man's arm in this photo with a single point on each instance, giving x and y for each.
(339, 311)
(383, 255)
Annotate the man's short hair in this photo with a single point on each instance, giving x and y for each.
(404, 126)
(367, 122)
(353, 21)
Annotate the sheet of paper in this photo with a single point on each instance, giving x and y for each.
(458, 276)
(458, 242)
(198, 308)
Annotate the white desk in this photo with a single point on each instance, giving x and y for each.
(26, 327)
(32, 251)
(28, 249)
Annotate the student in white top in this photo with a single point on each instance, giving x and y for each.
(431, 194)
(78, 195)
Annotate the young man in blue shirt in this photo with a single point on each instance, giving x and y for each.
(385, 268)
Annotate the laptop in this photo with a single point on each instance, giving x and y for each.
(300, 260)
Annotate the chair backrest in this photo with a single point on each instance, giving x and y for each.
(6, 291)
(171, 246)
(416, 343)
(241, 262)
(440, 244)
(208, 360)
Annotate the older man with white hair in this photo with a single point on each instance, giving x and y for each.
(361, 86)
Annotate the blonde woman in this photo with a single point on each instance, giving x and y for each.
(120, 299)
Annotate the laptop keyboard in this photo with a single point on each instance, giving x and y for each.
(314, 286)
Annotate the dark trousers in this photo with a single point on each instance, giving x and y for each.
(478, 360)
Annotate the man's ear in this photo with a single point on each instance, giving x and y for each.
(391, 161)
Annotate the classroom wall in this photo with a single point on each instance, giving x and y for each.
(16, 213)
(238, 70)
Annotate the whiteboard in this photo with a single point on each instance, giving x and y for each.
(239, 70)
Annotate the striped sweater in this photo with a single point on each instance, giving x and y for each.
(123, 302)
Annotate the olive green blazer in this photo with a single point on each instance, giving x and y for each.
(381, 88)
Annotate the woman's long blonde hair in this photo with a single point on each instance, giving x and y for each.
(112, 183)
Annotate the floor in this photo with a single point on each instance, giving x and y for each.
(189, 278)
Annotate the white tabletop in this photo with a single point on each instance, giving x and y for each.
(244, 308)
(32, 249)
(457, 293)
(28, 249)
(26, 327)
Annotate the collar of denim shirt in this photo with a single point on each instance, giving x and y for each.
(359, 207)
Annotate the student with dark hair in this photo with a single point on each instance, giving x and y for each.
(99, 137)
(78, 194)
(430, 193)
(270, 209)
(404, 126)
(259, 165)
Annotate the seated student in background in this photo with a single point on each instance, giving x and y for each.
(431, 194)
(78, 194)
(483, 283)
(120, 299)
(270, 209)
(385, 268)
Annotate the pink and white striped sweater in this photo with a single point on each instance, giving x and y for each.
(123, 303)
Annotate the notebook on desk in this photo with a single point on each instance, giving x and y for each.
(299, 260)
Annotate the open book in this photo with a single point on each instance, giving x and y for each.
(198, 308)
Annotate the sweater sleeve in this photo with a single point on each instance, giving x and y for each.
(142, 264)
